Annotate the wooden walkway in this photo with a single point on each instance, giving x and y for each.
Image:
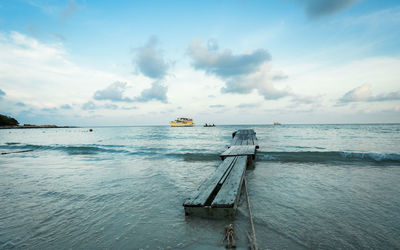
(218, 195)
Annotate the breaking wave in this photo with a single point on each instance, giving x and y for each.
(69, 149)
(329, 157)
(92, 149)
(272, 156)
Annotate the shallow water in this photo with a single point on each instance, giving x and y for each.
(313, 186)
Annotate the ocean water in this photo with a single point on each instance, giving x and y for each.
(313, 187)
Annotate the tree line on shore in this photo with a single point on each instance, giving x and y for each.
(8, 121)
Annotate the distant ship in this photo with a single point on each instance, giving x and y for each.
(277, 123)
(209, 125)
(182, 122)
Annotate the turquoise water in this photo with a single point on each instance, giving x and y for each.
(313, 186)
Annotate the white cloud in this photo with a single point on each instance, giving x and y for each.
(41, 74)
(310, 78)
(44, 76)
(149, 60)
(157, 92)
(225, 64)
(54, 89)
(242, 73)
(260, 80)
(113, 92)
(65, 106)
(363, 94)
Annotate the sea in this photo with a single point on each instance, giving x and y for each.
(312, 187)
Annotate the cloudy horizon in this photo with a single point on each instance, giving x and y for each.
(86, 63)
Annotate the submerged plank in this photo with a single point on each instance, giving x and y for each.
(209, 186)
(229, 193)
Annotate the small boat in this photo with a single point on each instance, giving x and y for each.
(182, 122)
(209, 125)
(277, 123)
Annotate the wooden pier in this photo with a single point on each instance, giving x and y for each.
(218, 196)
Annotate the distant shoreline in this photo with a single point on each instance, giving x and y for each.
(34, 126)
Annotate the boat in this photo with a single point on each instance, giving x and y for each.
(209, 125)
(277, 123)
(182, 122)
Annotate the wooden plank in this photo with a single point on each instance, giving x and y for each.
(243, 135)
(218, 195)
(226, 174)
(235, 140)
(206, 189)
(229, 193)
(239, 151)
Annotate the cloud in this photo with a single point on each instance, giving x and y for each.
(363, 94)
(20, 104)
(89, 106)
(110, 106)
(2, 93)
(305, 99)
(242, 73)
(129, 108)
(65, 106)
(279, 76)
(386, 97)
(113, 92)
(157, 92)
(149, 60)
(225, 64)
(247, 105)
(260, 81)
(321, 8)
(49, 110)
(217, 106)
(29, 70)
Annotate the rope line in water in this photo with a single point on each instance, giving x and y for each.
(252, 237)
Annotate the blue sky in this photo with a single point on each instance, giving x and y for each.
(225, 62)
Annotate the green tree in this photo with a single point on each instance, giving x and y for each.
(7, 121)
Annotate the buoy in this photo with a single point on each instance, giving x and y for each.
(90, 130)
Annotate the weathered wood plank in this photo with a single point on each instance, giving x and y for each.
(235, 140)
(239, 151)
(226, 174)
(218, 195)
(243, 137)
(229, 193)
(206, 189)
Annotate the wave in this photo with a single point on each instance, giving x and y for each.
(329, 157)
(272, 156)
(92, 149)
(69, 149)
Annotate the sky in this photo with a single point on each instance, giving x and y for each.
(122, 63)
